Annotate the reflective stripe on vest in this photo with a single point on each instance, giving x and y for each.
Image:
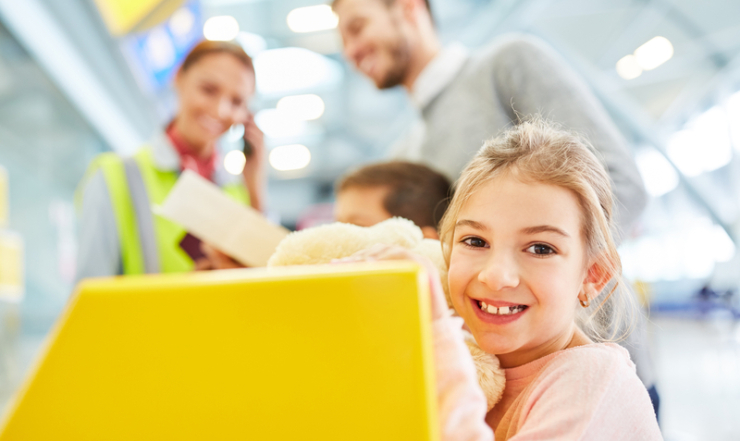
(149, 242)
(144, 219)
(115, 179)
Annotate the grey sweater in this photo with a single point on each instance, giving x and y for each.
(515, 77)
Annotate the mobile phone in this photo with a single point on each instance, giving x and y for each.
(247, 149)
(191, 245)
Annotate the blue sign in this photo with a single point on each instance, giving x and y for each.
(156, 54)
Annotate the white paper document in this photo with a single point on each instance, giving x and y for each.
(208, 213)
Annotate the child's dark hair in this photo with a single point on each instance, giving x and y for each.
(415, 191)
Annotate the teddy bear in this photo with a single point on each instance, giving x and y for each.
(324, 243)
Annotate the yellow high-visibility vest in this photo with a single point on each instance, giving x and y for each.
(148, 242)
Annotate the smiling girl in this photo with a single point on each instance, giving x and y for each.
(528, 241)
(535, 274)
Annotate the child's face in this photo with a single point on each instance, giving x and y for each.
(518, 247)
(361, 206)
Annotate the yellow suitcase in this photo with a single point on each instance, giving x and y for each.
(333, 352)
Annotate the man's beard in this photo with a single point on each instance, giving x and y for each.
(401, 56)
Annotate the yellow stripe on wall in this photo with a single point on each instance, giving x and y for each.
(121, 16)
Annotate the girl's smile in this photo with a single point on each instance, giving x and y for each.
(498, 312)
(517, 266)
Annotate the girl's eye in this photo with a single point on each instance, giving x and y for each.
(474, 242)
(540, 249)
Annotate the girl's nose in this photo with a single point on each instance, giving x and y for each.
(500, 272)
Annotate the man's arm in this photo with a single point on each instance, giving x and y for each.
(99, 253)
(530, 78)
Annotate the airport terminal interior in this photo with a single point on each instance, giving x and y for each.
(80, 78)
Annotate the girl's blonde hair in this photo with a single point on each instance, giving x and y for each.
(538, 151)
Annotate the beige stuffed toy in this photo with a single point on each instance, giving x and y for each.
(324, 243)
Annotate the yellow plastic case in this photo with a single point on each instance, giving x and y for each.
(333, 352)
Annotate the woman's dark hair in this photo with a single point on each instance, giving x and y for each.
(208, 47)
(334, 4)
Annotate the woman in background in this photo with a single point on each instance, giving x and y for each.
(119, 233)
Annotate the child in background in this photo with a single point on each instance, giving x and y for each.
(527, 239)
(380, 191)
(376, 192)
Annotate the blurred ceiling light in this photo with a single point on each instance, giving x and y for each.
(290, 157)
(302, 107)
(704, 145)
(713, 126)
(659, 175)
(159, 50)
(697, 255)
(275, 124)
(651, 258)
(221, 28)
(733, 117)
(628, 67)
(703, 245)
(722, 245)
(234, 162)
(660, 256)
(683, 149)
(252, 44)
(235, 133)
(181, 22)
(312, 19)
(655, 52)
(291, 69)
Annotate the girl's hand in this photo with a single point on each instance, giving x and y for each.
(393, 252)
(254, 172)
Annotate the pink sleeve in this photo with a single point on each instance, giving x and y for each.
(461, 403)
(587, 397)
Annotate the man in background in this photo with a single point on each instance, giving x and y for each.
(465, 99)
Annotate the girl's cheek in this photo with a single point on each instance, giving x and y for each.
(457, 279)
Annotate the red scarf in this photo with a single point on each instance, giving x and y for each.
(189, 160)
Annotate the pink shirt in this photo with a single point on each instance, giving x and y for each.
(589, 392)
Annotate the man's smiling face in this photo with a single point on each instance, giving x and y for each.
(374, 41)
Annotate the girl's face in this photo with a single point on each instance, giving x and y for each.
(517, 266)
(213, 93)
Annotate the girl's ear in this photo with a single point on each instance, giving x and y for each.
(597, 276)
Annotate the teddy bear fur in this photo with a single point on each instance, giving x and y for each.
(322, 244)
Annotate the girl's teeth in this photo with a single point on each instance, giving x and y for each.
(504, 310)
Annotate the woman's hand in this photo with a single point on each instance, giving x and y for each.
(254, 172)
(393, 252)
(216, 259)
